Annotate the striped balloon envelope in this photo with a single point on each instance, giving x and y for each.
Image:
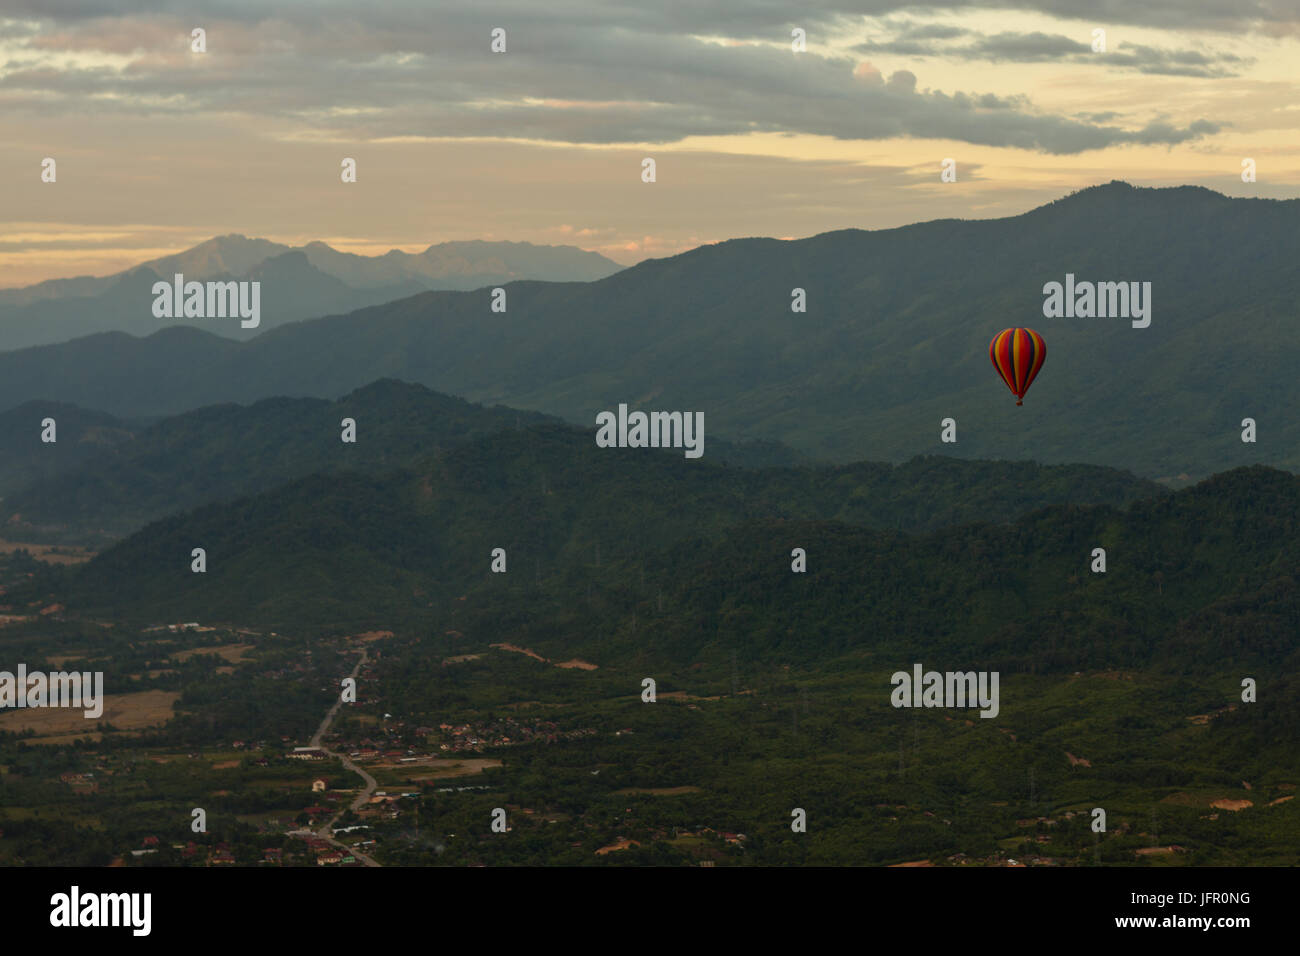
(1018, 354)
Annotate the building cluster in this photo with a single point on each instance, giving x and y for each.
(506, 732)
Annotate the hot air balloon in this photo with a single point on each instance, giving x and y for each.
(1018, 354)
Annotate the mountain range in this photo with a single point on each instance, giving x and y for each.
(296, 283)
(894, 341)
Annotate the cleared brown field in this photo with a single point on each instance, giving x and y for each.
(53, 554)
(573, 664)
(369, 636)
(1206, 718)
(623, 843)
(1233, 805)
(446, 769)
(58, 660)
(149, 708)
(235, 653)
(152, 674)
(1218, 799)
(521, 650)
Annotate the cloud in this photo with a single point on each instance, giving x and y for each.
(1041, 47)
(1146, 59)
(1024, 47)
(743, 19)
(904, 81)
(868, 73)
(586, 73)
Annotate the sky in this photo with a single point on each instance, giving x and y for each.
(158, 147)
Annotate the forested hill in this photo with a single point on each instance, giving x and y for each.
(79, 436)
(342, 549)
(226, 451)
(683, 570)
(104, 479)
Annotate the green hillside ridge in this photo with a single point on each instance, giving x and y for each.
(1202, 581)
(81, 435)
(92, 493)
(1198, 577)
(227, 451)
(343, 549)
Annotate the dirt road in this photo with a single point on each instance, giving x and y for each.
(325, 831)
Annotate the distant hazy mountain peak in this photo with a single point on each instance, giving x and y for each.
(231, 254)
(298, 282)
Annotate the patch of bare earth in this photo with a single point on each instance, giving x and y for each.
(575, 663)
(369, 636)
(53, 554)
(234, 653)
(460, 658)
(149, 708)
(520, 650)
(1233, 805)
(1206, 718)
(622, 844)
(440, 769)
